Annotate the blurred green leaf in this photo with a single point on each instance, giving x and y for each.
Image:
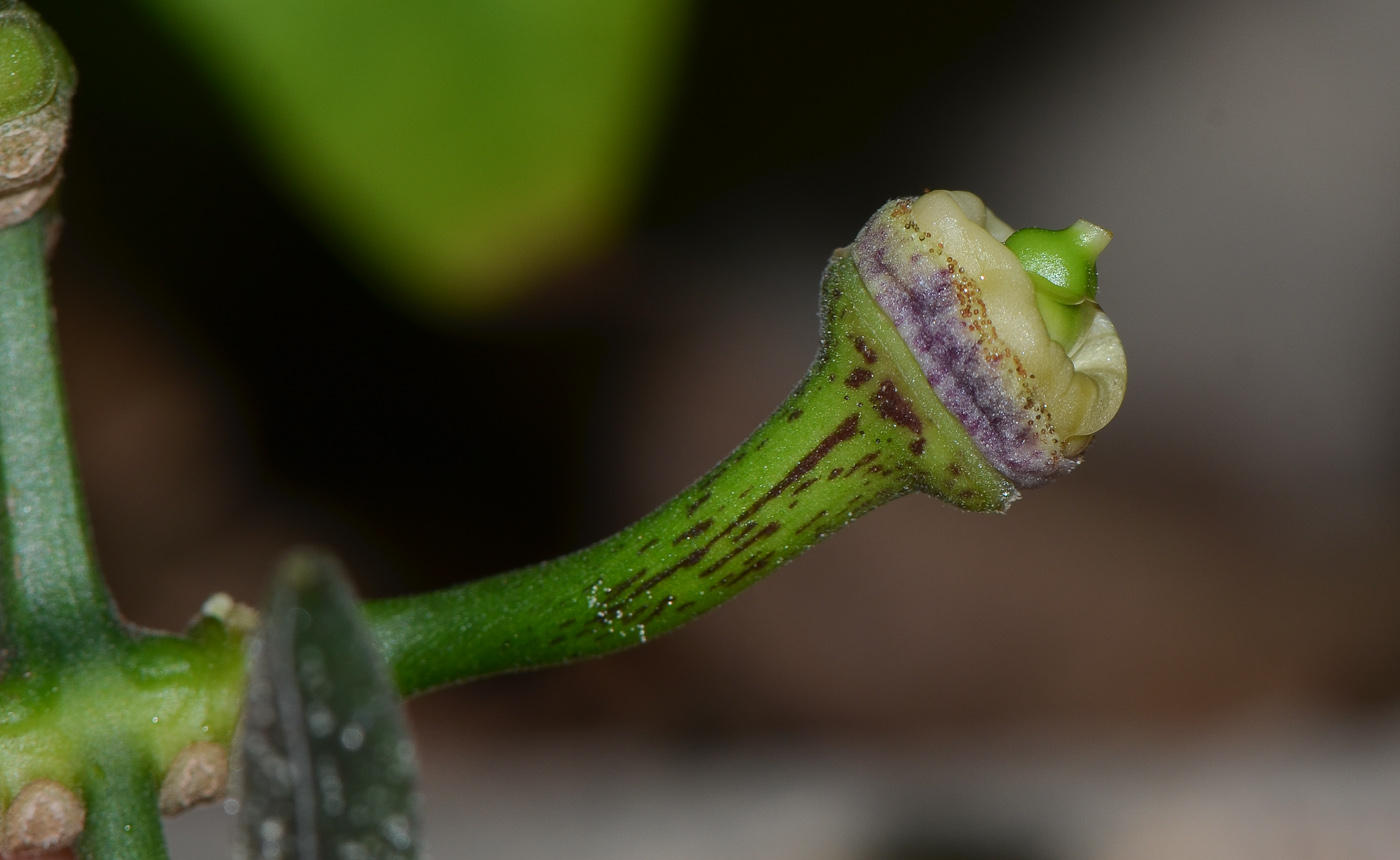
(460, 148)
(326, 766)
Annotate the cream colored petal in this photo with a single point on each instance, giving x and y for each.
(1081, 390)
(940, 214)
(1098, 356)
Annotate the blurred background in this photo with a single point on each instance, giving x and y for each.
(461, 285)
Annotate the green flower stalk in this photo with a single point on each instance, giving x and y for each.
(939, 372)
(100, 721)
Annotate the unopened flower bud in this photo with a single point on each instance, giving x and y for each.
(36, 91)
(1005, 326)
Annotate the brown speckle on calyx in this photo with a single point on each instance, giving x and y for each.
(858, 377)
(895, 407)
(45, 816)
(198, 774)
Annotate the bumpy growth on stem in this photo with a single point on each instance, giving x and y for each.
(937, 373)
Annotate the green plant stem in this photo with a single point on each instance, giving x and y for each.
(123, 819)
(106, 719)
(150, 699)
(862, 428)
(100, 707)
(53, 599)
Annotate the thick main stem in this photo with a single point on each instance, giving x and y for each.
(862, 428)
(54, 601)
(123, 820)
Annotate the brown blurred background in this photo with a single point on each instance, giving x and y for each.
(1224, 559)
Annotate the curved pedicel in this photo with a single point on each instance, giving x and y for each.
(1026, 360)
(936, 374)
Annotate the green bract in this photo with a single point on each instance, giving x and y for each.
(326, 767)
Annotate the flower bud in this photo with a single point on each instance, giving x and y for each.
(1004, 325)
(36, 90)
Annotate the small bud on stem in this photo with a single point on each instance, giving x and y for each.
(36, 92)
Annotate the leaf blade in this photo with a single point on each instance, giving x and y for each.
(327, 768)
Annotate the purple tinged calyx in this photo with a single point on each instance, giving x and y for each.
(966, 309)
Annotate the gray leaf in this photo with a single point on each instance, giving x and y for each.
(326, 766)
